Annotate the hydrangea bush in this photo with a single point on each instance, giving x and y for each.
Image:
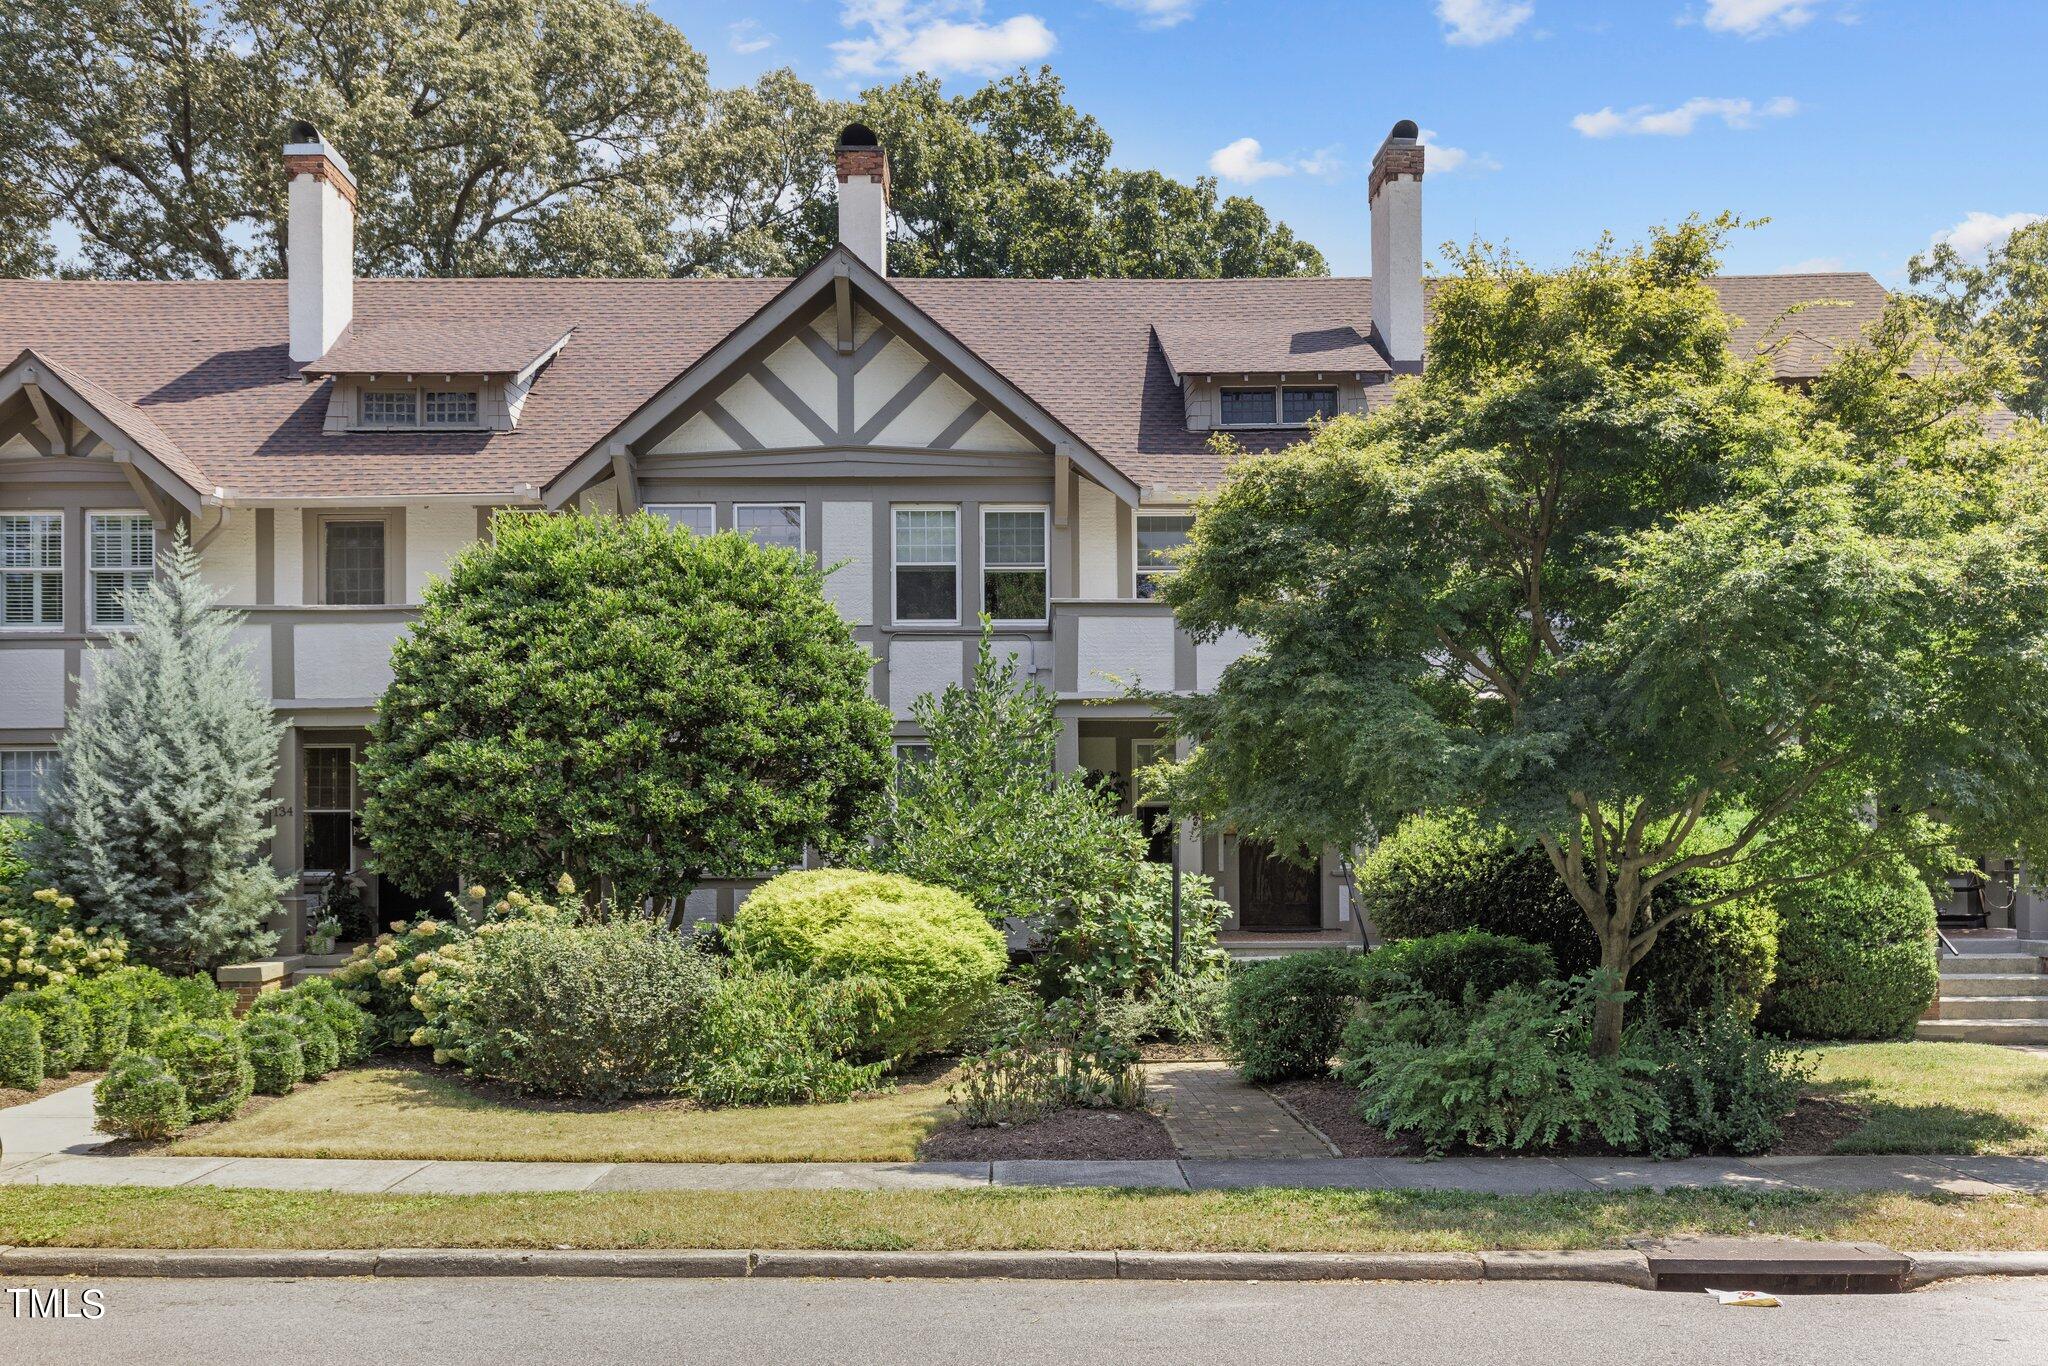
(40, 948)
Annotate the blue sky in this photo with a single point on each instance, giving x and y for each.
(1861, 128)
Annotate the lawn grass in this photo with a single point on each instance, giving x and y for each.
(1940, 1097)
(406, 1112)
(1265, 1220)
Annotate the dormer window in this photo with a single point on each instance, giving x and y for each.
(1269, 405)
(449, 408)
(390, 408)
(387, 408)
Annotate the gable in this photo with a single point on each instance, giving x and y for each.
(804, 394)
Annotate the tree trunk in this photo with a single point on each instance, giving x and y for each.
(1607, 1013)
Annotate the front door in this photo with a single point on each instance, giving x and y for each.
(1275, 893)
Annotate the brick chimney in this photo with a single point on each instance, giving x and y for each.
(1395, 194)
(320, 243)
(863, 172)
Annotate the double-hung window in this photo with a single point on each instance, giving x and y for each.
(32, 568)
(330, 808)
(927, 564)
(24, 776)
(700, 519)
(777, 524)
(121, 560)
(1158, 534)
(1013, 564)
(352, 567)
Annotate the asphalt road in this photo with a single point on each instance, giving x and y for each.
(1014, 1323)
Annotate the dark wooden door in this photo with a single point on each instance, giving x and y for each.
(1275, 893)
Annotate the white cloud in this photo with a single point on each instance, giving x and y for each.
(1444, 160)
(1680, 121)
(1979, 232)
(1244, 161)
(1757, 18)
(1324, 163)
(747, 36)
(1469, 23)
(1158, 13)
(923, 35)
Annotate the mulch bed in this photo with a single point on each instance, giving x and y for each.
(11, 1097)
(1817, 1125)
(1180, 1052)
(1073, 1135)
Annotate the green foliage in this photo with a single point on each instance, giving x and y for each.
(211, 1061)
(989, 815)
(66, 1026)
(1121, 944)
(935, 954)
(1453, 967)
(21, 1049)
(152, 1000)
(1725, 1090)
(319, 1051)
(1855, 957)
(1186, 1009)
(109, 1021)
(40, 946)
(140, 1097)
(1069, 1052)
(1283, 1017)
(531, 724)
(598, 1011)
(382, 978)
(2002, 304)
(158, 817)
(276, 1061)
(1514, 1072)
(775, 1038)
(317, 998)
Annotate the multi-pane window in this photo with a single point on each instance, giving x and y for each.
(391, 408)
(330, 808)
(699, 518)
(927, 564)
(1158, 534)
(1247, 407)
(780, 524)
(24, 776)
(448, 408)
(1013, 564)
(121, 560)
(1297, 406)
(32, 568)
(1274, 407)
(353, 567)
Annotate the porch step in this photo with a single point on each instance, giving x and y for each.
(1994, 984)
(1992, 1007)
(1984, 1031)
(1958, 964)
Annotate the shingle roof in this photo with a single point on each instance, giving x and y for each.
(487, 346)
(131, 421)
(1258, 345)
(205, 362)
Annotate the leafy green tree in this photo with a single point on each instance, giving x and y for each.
(621, 701)
(987, 814)
(2003, 302)
(1591, 578)
(158, 822)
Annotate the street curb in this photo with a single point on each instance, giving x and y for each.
(1298, 1266)
(1020, 1266)
(1925, 1268)
(1615, 1268)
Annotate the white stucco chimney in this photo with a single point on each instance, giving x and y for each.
(1395, 193)
(319, 243)
(862, 168)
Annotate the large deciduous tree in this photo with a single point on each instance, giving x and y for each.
(2002, 303)
(625, 702)
(1596, 579)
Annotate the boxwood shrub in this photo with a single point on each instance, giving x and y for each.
(211, 1061)
(1855, 957)
(1447, 966)
(938, 956)
(66, 1026)
(316, 1001)
(140, 1097)
(276, 1062)
(1440, 873)
(21, 1050)
(1282, 1018)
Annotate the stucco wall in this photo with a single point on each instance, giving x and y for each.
(433, 536)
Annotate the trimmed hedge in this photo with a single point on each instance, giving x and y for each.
(1282, 1018)
(1855, 957)
(67, 1026)
(21, 1050)
(1447, 966)
(211, 1061)
(276, 1062)
(936, 955)
(140, 1097)
(1439, 873)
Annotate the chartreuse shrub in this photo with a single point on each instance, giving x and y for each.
(1437, 874)
(140, 1097)
(770, 1037)
(211, 1061)
(936, 955)
(276, 1062)
(21, 1050)
(1855, 957)
(1452, 967)
(66, 1026)
(1282, 1017)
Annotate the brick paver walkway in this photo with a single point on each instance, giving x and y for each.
(1211, 1112)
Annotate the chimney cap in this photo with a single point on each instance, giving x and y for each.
(302, 131)
(1407, 129)
(858, 135)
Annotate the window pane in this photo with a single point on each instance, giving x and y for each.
(24, 774)
(696, 518)
(771, 524)
(927, 594)
(451, 408)
(927, 536)
(1299, 405)
(1014, 594)
(327, 841)
(1157, 535)
(390, 408)
(1013, 539)
(122, 555)
(1247, 407)
(355, 564)
(330, 777)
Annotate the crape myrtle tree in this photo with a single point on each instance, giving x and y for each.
(625, 702)
(1597, 579)
(158, 821)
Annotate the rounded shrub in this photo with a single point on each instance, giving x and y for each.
(276, 1062)
(21, 1050)
(1282, 1018)
(140, 1097)
(937, 955)
(67, 1027)
(1855, 957)
(354, 1031)
(109, 1021)
(1441, 873)
(1448, 966)
(211, 1061)
(319, 1051)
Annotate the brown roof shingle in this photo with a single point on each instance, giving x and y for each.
(483, 346)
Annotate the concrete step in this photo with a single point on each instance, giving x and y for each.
(1994, 984)
(1957, 963)
(1993, 1008)
(1984, 1031)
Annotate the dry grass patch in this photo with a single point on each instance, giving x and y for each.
(1939, 1097)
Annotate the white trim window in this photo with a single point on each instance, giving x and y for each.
(391, 408)
(772, 524)
(25, 776)
(121, 562)
(32, 569)
(1158, 534)
(1275, 405)
(1013, 564)
(699, 519)
(330, 808)
(925, 564)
